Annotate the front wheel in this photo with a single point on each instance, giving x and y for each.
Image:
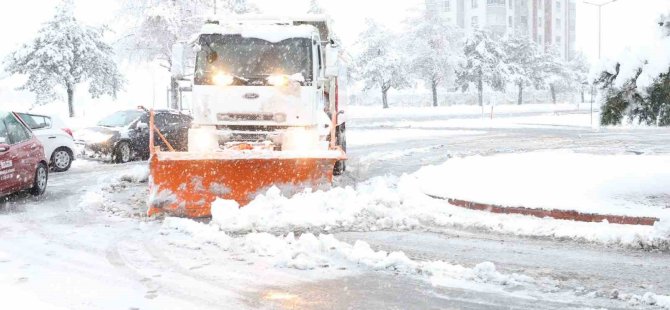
(122, 153)
(41, 178)
(61, 160)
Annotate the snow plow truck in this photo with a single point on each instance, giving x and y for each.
(267, 101)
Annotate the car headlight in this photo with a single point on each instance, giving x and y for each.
(223, 79)
(96, 137)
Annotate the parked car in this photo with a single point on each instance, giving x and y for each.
(124, 135)
(56, 138)
(23, 165)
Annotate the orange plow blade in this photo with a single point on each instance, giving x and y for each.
(186, 184)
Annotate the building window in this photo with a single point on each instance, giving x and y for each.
(558, 6)
(558, 40)
(447, 5)
(510, 21)
(511, 4)
(475, 21)
(539, 38)
(496, 2)
(558, 22)
(474, 4)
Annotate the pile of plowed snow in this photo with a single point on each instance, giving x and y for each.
(309, 251)
(401, 203)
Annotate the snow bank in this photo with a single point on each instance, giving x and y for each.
(617, 184)
(400, 203)
(137, 174)
(367, 112)
(309, 251)
(18, 297)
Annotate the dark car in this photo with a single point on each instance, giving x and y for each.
(23, 165)
(124, 135)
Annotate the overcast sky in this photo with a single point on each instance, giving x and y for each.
(625, 22)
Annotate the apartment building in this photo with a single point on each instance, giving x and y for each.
(547, 22)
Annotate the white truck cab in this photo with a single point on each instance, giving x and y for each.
(274, 81)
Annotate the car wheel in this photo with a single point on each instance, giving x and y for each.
(341, 165)
(41, 179)
(122, 153)
(61, 160)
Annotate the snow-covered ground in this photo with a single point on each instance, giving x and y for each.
(634, 185)
(375, 240)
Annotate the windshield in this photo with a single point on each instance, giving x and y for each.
(120, 119)
(252, 58)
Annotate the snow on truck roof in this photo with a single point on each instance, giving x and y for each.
(270, 33)
(270, 28)
(269, 19)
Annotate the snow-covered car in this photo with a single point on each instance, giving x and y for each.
(56, 138)
(124, 135)
(23, 165)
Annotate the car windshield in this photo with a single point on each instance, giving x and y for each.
(120, 119)
(252, 57)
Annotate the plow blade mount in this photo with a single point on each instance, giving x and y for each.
(186, 184)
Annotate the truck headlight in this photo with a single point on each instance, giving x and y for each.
(223, 79)
(278, 80)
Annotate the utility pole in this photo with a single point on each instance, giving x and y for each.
(600, 36)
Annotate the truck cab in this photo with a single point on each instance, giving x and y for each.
(272, 81)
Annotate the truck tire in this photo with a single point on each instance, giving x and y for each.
(341, 165)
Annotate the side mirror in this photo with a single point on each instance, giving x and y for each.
(178, 60)
(142, 126)
(332, 60)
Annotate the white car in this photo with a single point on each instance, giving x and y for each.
(55, 136)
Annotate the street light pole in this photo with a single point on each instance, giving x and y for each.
(600, 30)
(600, 36)
(600, 22)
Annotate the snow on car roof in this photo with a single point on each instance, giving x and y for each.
(270, 33)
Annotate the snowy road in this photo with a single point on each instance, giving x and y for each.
(86, 245)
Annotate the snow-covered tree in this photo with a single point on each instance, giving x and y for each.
(578, 71)
(433, 46)
(156, 26)
(64, 54)
(638, 85)
(484, 64)
(524, 63)
(315, 7)
(381, 63)
(555, 71)
(238, 6)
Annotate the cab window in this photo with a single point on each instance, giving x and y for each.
(16, 132)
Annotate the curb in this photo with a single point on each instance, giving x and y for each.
(556, 214)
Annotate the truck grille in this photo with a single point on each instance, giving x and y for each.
(251, 128)
(229, 117)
